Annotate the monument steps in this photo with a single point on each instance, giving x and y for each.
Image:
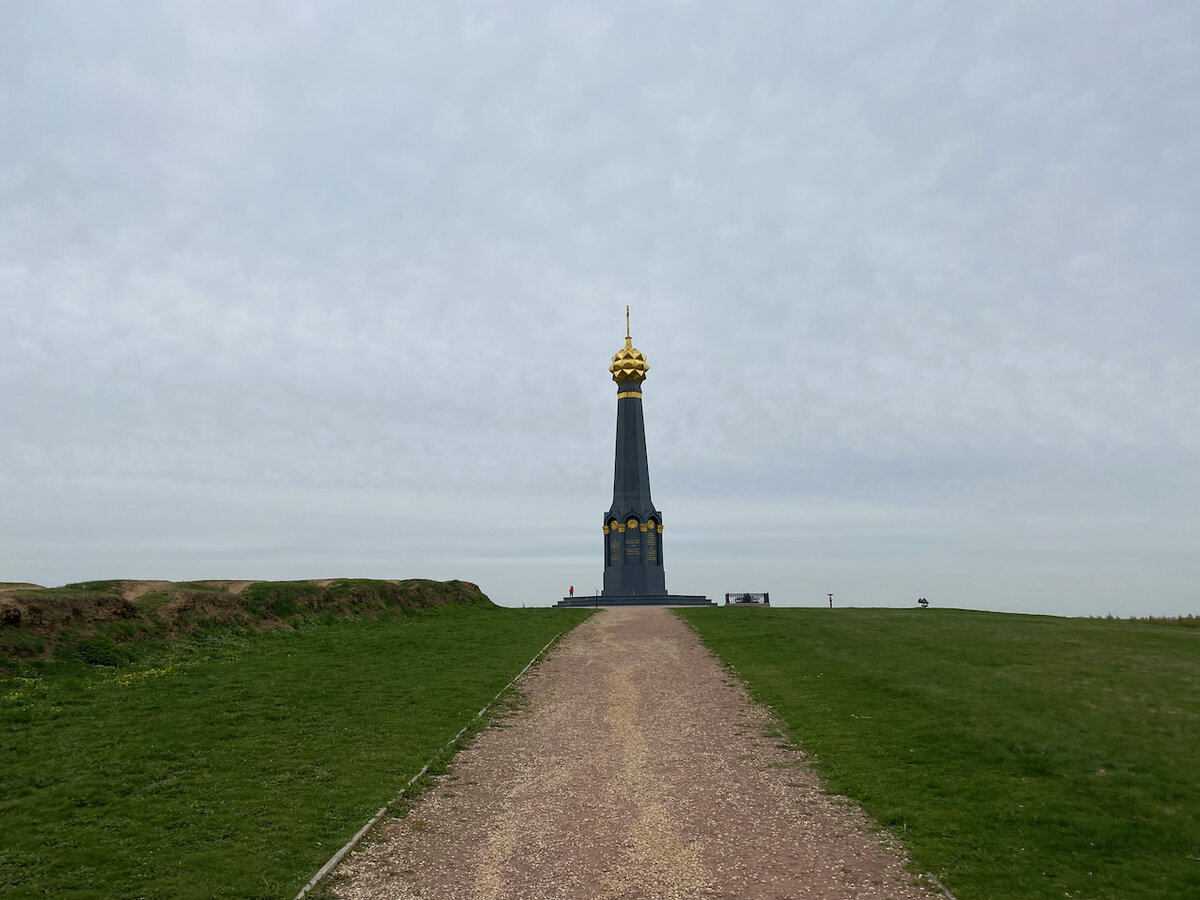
(645, 600)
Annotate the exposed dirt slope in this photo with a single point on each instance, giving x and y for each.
(35, 620)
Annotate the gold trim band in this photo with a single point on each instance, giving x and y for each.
(625, 394)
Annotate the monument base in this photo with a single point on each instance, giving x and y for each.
(637, 600)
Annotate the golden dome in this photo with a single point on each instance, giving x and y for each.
(628, 363)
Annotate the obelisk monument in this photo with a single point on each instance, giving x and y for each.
(632, 527)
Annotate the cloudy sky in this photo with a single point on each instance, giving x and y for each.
(299, 290)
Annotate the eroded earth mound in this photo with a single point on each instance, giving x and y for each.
(36, 621)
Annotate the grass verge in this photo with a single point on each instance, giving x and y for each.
(1018, 757)
(233, 764)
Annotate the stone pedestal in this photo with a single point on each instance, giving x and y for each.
(599, 600)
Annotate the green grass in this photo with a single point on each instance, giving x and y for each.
(1018, 757)
(234, 764)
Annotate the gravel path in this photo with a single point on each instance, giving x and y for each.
(637, 769)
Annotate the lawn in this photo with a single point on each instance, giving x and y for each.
(1018, 757)
(233, 764)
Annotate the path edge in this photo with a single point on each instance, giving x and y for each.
(374, 820)
(732, 670)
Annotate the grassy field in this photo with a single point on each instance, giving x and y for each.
(234, 764)
(1018, 757)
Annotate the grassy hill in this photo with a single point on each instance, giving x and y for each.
(234, 739)
(1019, 757)
(98, 621)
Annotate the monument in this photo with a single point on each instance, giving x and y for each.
(632, 527)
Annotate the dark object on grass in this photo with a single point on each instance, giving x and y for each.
(747, 598)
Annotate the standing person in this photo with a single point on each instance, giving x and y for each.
(572, 591)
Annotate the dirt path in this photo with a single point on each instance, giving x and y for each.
(638, 769)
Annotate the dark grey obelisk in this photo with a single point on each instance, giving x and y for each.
(633, 553)
(633, 558)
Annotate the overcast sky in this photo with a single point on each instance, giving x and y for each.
(301, 290)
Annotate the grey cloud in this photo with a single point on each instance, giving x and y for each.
(920, 273)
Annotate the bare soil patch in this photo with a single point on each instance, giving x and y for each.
(638, 768)
(6, 586)
(35, 621)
